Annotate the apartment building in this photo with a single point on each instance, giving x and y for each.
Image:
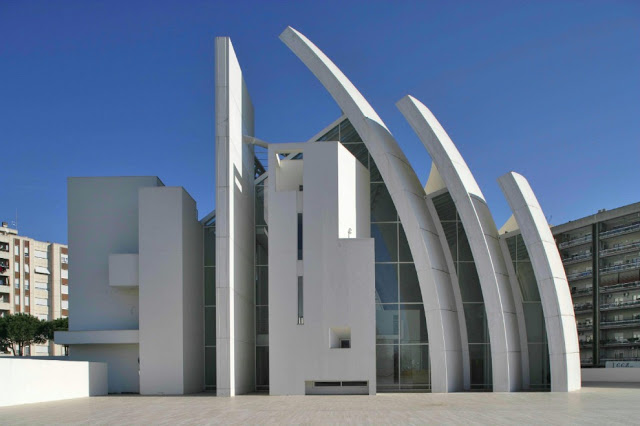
(601, 257)
(33, 280)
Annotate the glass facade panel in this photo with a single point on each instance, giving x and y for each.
(539, 372)
(210, 287)
(480, 366)
(470, 291)
(387, 324)
(210, 302)
(464, 249)
(386, 283)
(259, 218)
(414, 366)
(387, 366)
(262, 368)
(210, 368)
(262, 285)
(413, 324)
(210, 246)
(382, 207)
(404, 251)
(534, 320)
(539, 369)
(262, 325)
(475, 318)
(386, 241)
(210, 332)
(469, 282)
(409, 285)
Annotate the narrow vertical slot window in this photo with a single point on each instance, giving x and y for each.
(299, 236)
(300, 302)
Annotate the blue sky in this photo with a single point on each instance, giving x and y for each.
(550, 89)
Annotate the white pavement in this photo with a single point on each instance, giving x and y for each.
(590, 405)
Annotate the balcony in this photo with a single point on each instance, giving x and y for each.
(581, 257)
(620, 305)
(5, 288)
(621, 230)
(582, 307)
(620, 323)
(620, 249)
(579, 275)
(584, 326)
(575, 242)
(620, 343)
(635, 264)
(620, 287)
(581, 291)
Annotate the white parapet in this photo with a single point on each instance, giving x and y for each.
(123, 270)
(26, 380)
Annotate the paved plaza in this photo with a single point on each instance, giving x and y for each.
(591, 405)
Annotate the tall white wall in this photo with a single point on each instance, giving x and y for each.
(103, 220)
(235, 228)
(171, 292)
(338, 273)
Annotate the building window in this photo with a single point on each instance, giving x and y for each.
(26, 301)
(26, 284)
(300, 302)
(26, 250)
(17, 267)
(17, 282)
(299, 236)
(4, 246)
(26, 266)
(16, 248)
(64, 258)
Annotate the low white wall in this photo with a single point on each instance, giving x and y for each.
(35, 380)
(619, 375)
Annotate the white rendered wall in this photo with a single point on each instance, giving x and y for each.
(171, 299)
(122, 362)
(103, 220)
(235, 228)
(25, 381)
(338, 273)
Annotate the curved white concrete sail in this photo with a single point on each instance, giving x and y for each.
(408, 196)
(559, 318)
(482, 233)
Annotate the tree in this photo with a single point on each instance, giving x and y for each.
(58, 324)
(20, 330)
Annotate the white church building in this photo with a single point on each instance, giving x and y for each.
(327, 269)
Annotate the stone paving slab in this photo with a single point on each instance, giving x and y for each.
(591, 405)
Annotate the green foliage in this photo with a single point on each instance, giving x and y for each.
(20, 330)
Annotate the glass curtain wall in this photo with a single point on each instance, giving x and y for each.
(402, 351)
(539, 369)
(471, 293)
(210, 305)
(262, 293)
